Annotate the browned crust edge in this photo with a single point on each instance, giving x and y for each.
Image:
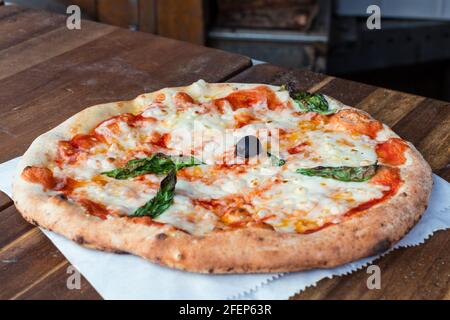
(249, 250)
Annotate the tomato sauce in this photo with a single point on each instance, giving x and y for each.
(355, 121)
(386, 176)
(182, 99)
(160, 140)
(298, 148)
(242, 119)
(248, 98)
(94, 208)
(44, 176)
(70, 150)
(67, 185)
(145, 220)
(392, 151)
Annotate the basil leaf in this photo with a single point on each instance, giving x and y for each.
(348, 174)
(312, 102)
(185, 162)
(158, 163)
(275, 160)
(162, 200)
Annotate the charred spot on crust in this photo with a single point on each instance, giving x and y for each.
(211, 270)
(35, 222)
(80, 240)
(179, 256)
(260, 239)
(381, 246)
(119, 252)
(404, 194)
(61, 196)
(161, 236)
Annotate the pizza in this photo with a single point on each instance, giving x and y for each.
(226, 178)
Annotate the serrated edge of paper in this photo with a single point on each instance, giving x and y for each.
(242, 294)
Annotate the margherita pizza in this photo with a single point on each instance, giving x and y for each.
(226, 178)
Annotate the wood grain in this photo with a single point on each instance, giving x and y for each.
(25, 261)
(147, 16)
(12, 226)
(32, 26)
(427, 126)
(182, 20)
(5, 201)
(17, 58)
(120, 13)
(54, 287)
(270, 74)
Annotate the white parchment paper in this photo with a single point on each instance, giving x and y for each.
(117, 276)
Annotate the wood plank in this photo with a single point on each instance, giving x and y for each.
(444, 172)
(182, 20)
(15, 233)
(427, 128)
(10, 11)
(270, 74)
(36, 50)
(122, 13)
(5, 201)
(22, 24)
(346, 91)
(147, 16)
(25, 261)
(12, 226)
(54, 287)
(389, 106)
(88, 7)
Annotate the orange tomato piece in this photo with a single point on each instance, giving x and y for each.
(248, 98)
(182, 99)
(392, 151)
(388, 176)
(94, 208)
(355, 121)
(44, 176)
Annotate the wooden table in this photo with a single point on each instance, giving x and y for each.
(48, 73)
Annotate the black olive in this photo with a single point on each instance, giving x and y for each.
(248, 146)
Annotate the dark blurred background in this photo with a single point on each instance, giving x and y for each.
(411, 51)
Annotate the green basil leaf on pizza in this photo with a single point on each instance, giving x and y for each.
(162, 200)
(158, 163)
(312, 102)
(186, 162)
(343, 173)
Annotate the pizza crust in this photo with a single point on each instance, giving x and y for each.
(249, 250)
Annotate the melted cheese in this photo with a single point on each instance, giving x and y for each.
(279, 196)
